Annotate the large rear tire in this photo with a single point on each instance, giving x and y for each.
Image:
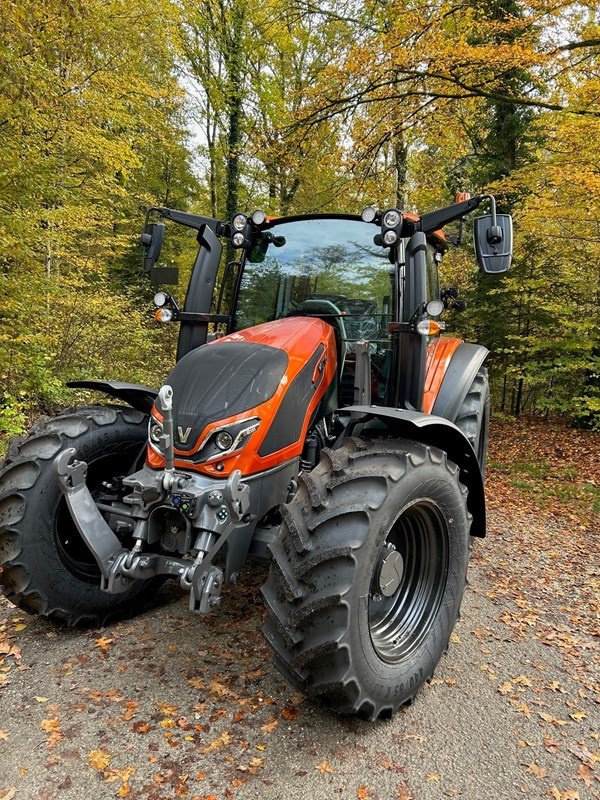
(46, 567)
(368, 574)
(473, 417)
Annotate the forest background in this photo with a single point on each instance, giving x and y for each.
(110, 106)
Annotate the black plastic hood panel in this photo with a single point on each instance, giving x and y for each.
(217, 381)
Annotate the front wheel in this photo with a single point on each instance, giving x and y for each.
(368, 574)
(46, 566)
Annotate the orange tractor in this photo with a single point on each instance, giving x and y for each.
(323, 423)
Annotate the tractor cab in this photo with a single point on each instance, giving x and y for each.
(328, 267)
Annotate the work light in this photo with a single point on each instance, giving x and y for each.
(259, 217)
(392, 218)
(369, 214)
(239, 222)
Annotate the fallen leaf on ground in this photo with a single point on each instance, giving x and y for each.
(324, 767)
(99, 759)
(584, 774)
(269, 726)
(534, 769)
(363, 793)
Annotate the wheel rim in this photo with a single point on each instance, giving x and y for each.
(408, 581)
(72, 550)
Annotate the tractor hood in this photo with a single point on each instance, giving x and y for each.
(245, 401)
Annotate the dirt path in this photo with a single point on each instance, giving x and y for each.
(171, 705)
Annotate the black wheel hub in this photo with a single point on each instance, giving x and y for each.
(409, 581)
(390, 571)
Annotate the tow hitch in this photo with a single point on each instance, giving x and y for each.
(212, 510)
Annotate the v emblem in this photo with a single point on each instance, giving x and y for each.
(183, 434)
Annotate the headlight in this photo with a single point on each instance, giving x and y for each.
(155, 431)
(239, 222)
(392, 219)
(390, 237)
(238, 239)
(223, 440)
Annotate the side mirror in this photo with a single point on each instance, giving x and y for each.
(493, 243)
(152, 239)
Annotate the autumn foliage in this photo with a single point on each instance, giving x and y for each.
(109, 106)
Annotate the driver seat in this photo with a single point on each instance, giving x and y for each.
(331, 314)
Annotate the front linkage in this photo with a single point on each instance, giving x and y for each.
(211, 509)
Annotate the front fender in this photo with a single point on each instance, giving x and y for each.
(436, 432)
(139, 397)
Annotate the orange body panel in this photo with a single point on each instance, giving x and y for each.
(299, 337)
(439, 355)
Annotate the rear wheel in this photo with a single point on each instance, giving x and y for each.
(368, 574)
(46, 566)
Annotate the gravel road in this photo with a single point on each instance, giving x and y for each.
(172, 705)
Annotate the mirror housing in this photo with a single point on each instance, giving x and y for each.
(493, 243)
(152, 239)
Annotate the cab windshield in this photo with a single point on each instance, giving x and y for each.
(328, 268)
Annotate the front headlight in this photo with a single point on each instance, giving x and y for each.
(155, 431)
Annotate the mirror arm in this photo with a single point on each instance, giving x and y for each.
(194, 221)
(437, 219)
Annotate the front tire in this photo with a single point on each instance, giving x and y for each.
(368, 574)
(47, 568)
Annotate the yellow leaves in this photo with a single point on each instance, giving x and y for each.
(99, 759)
(40, 699)
(584, 774)
(122, 775)
(131, 707)
(363, 793)
(8, 795)
(549, 718)
(578, 715)
(103, 643)
(403, 792)
(454, 638)
(223, 740)
(505, 688)
(568, 794)
(535, 769)
(433, 777)
(522, 680)
(20, 627)
(167, 710)
(3, 736)
(269, 726)
(324, 767)
(290, 713)
(52, 728)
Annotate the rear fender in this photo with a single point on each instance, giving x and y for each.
(436, 432)
(139, 397)
(458, 377)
